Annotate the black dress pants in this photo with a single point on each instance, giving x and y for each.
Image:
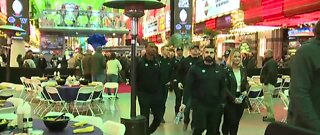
(178, 93)
(157, 108)
(206, 118)
(232, 115)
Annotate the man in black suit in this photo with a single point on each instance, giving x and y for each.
(304, 106)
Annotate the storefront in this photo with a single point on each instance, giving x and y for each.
(294, 17)
(156, 25)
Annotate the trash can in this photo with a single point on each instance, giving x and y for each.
(135, 125)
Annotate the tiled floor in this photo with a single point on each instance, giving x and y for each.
(250, 124)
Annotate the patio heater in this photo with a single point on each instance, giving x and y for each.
(10, 31)
(134, 9)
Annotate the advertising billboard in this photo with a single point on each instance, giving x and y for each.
(206, 9)
(18, 15)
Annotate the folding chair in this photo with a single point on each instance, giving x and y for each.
(84, 97)
(43, 100)
(255, 99)
(55, 99)
(278, 128)
(114, 128)
(36, 89)
(28, 87)
(278, 87)
(111, 85)
(286, 83)
(97, 97)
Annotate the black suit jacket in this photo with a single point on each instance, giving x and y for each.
(232, 83)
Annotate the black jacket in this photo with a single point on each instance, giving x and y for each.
(232, 83)
(175, 69)
(184, 66)
(148, 77)
(304, 106)
(269, 72)
(205, 85)
(166, 69)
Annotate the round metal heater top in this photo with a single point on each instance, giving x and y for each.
(122, 4)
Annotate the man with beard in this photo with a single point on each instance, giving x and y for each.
(181, 77)
(206, 86)
(149, 87)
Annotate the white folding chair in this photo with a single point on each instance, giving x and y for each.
(111, 85)
(35, 89)
(286, 83)
(97, 97)
(86, 92)
(255, 99)
(43, 100)
(113, 128)
(256, 79)
(95, 121)
(278, 88)
(55, 100)
(28, 88)
(71, 117)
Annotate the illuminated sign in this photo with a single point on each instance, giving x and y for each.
(183, 16)
(300, 31)
(206, 9)
(18, 15)
(3, 7)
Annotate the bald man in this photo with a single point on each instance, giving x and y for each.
(268, 77)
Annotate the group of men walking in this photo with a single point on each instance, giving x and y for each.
(200, 81)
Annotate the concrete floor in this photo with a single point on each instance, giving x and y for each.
(250, 124)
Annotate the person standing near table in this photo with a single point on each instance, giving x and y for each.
(113, 69)
(268, 77)
(304, 106)
(237, 86)
(149, 87)
(98, 65)
(206, 86)
(182, 74)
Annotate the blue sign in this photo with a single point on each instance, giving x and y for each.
(301, 30)
(11, 19)
(178, 27)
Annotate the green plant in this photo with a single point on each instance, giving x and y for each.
(180, 40)
(211, 35)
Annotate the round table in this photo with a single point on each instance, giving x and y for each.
(38, 124)
(68, 94)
